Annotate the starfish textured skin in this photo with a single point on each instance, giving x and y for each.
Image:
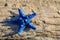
(23, 21)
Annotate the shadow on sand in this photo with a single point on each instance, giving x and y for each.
(14, 28)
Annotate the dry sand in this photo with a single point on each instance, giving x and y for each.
(47, 20)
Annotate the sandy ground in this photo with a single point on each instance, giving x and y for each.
(47, 20)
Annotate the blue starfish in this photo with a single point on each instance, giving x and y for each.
(23, 21)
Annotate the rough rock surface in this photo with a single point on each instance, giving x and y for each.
(47, 20)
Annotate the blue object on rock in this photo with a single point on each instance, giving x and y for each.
(23, 21)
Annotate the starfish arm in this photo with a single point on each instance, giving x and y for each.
(12, 21)
(30, 16)
(31, 26)
(21, 14)
(20, 29)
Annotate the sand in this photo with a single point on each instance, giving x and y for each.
(47, 20)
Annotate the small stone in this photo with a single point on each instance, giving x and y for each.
(58, 12)
(6, 4)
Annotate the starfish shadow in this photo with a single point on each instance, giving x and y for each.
(14, 28)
